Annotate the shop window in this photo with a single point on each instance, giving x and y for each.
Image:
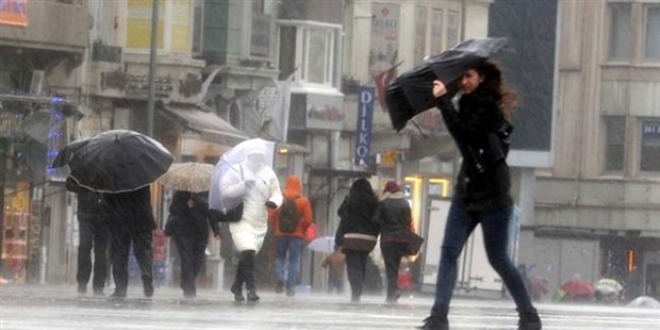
(620, 43)
(650, 153)
(615, 128)
(652, 42)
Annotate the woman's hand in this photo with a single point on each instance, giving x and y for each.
(439, 88)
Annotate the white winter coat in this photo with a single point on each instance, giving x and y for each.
(249, 232)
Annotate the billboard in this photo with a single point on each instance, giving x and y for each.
(14, 12)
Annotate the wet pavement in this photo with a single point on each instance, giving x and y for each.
(28, 307)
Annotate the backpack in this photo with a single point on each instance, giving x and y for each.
(289, 216)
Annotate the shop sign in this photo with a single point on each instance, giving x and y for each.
(384, 44)
(14, 12)
(651, 130)
(364, 120)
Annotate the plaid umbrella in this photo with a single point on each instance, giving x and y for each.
(193, 177)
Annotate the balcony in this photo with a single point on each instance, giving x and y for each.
(60, 25)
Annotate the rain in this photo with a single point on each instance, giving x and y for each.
(329, 164)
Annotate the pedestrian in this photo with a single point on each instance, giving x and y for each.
(482, 194)
(189, 223)
(94, 234)
(357, 232)
(395, 220)
(131, 224)
(258, 187)
(336, 263)
(290, 223)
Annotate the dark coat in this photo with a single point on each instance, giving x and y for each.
(187, 221)
(91, 205)
(482, 135)
(131, 211)
(357, 213)
(395, 218)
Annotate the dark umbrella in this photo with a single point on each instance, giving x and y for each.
(411, 93)
(64, 156)
(119, 161)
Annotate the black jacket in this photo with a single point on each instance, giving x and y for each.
(190, 222)
(131, 211)
(395, 218)
(357, 216)
(482, 135)
(91, 205)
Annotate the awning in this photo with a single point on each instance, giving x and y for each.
(211, 127)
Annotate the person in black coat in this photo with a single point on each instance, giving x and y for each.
(93, 234)
(189, 223)
(357, 232)
(395, 218)
(482, 195)
(131, 222)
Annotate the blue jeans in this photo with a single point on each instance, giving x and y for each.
(293, 246)
(495, 225)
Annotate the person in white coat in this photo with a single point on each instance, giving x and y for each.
(257, 184)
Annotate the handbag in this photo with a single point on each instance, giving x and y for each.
(232, 215)
(414, 243)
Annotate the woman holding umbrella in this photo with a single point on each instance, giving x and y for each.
(189, 224)
(256, 184)
(482, 194)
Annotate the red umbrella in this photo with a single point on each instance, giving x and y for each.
(577, 288)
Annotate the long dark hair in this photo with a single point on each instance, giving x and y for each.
(494, 82)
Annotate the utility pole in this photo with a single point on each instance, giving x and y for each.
(152, 69)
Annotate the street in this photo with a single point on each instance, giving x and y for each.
(59, 307)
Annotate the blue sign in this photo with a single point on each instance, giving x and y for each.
(364, 120)
(651, 130)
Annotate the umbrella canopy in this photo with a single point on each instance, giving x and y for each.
(193, 177)
(119, 161)
(325, 244)
(577, 288)
(227, 163)
(412, 92)
(64, 156)
(608, 286)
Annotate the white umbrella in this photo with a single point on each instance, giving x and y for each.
(325, 244)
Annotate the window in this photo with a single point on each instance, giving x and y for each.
(615, 143)
(420, 34)
(436, 32)
(260, 30)
(453, 28)
(198, 26)
(650, 156)
(174, 25)
(620, 46)
(312, 52)
(652, 43)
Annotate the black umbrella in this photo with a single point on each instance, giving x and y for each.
(64, 156)
(411, 93)
(119, 161)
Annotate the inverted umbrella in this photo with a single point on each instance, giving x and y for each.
(119, 161)
(411, 93)
(228, 163)
(193, 177)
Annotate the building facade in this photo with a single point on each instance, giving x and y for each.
(596, 208)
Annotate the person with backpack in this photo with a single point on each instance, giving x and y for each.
(290, 223)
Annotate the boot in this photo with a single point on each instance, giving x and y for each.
(437, 320)
(529, 320)
(237, 286)
(248, 272)
(148, 285)
(392, 296)
(279, 286)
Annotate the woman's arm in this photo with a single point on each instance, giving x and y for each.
(484, 117)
